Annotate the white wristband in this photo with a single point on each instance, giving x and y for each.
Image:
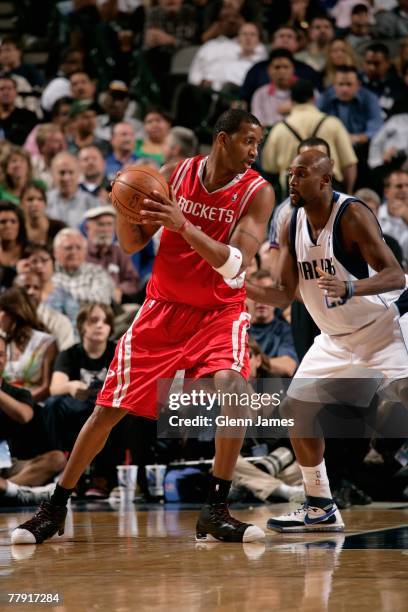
(233, 264)
(236, 283)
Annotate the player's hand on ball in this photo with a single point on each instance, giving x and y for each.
(331, 285)
(163, 210)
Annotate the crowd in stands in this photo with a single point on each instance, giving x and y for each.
(140, 82)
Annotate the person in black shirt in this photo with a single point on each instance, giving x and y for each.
(11, 62)
(78, 375)
(15, 123)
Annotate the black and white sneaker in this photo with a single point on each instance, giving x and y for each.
(216, 523)
(316, 514)
(45, 523)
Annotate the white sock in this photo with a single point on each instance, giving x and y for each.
(11, 489)
(316, 481)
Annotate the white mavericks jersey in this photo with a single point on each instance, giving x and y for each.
(333, 316)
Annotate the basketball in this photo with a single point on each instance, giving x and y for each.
(132, 186)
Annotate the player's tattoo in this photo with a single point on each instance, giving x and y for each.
(242, 231)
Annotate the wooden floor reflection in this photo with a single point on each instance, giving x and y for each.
(130, 560)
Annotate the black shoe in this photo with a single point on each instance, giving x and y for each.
(47, 521)
(342, 497)
(216, 523)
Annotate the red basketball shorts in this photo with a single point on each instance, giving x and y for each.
(166, 337)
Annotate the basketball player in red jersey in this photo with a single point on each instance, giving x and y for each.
(194, 317)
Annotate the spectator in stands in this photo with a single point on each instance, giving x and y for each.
(249, 11)
(393, 24)
(273, 102)
(305, 121)
(39, 228)
(401, 61)
(82, 128)
(85, 281)
(340, 54)
(11, 62)
(55, 322)
(17, 171)
(93, 172)
(78, 374)
(298, 14)
(157, 124)
(13, 239)
(179, 144)
(72, 61)
(342, 10)
(20, 483)
(272, 333)
(83, 87)
(30, 350)
(250, 50)
(393, 214)
(380, 77)
(59, 119)
(15, 123)
(284, 38)
(123, 144)
(356, 107)
(50, 141)
(102, 250)
(359, 33)
(320, 35)
(170, 24)
(60, 113)
(67, 202)
(373, 201)
(118, 109)
(40, 260)
(238, 45)
(389, 147)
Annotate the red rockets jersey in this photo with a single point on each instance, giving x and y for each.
(180, 274)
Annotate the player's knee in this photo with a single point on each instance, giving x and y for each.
(106, 418)
(228, 381)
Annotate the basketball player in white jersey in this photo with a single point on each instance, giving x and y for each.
(332, 247)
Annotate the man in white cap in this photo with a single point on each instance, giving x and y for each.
(102, 250)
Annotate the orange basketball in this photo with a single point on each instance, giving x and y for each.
(132, 186)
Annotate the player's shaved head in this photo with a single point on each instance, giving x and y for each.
(310, 177)
(315, 160)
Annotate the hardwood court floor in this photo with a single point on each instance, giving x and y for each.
(130, 559)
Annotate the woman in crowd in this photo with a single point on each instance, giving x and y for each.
(39, 228)
(39, 259)
(12, 241)
(30, 350)
(17, 172)
(401, 60)
(156, 125)
(340, 54)
(59, 117)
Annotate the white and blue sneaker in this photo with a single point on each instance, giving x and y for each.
(316, 514)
